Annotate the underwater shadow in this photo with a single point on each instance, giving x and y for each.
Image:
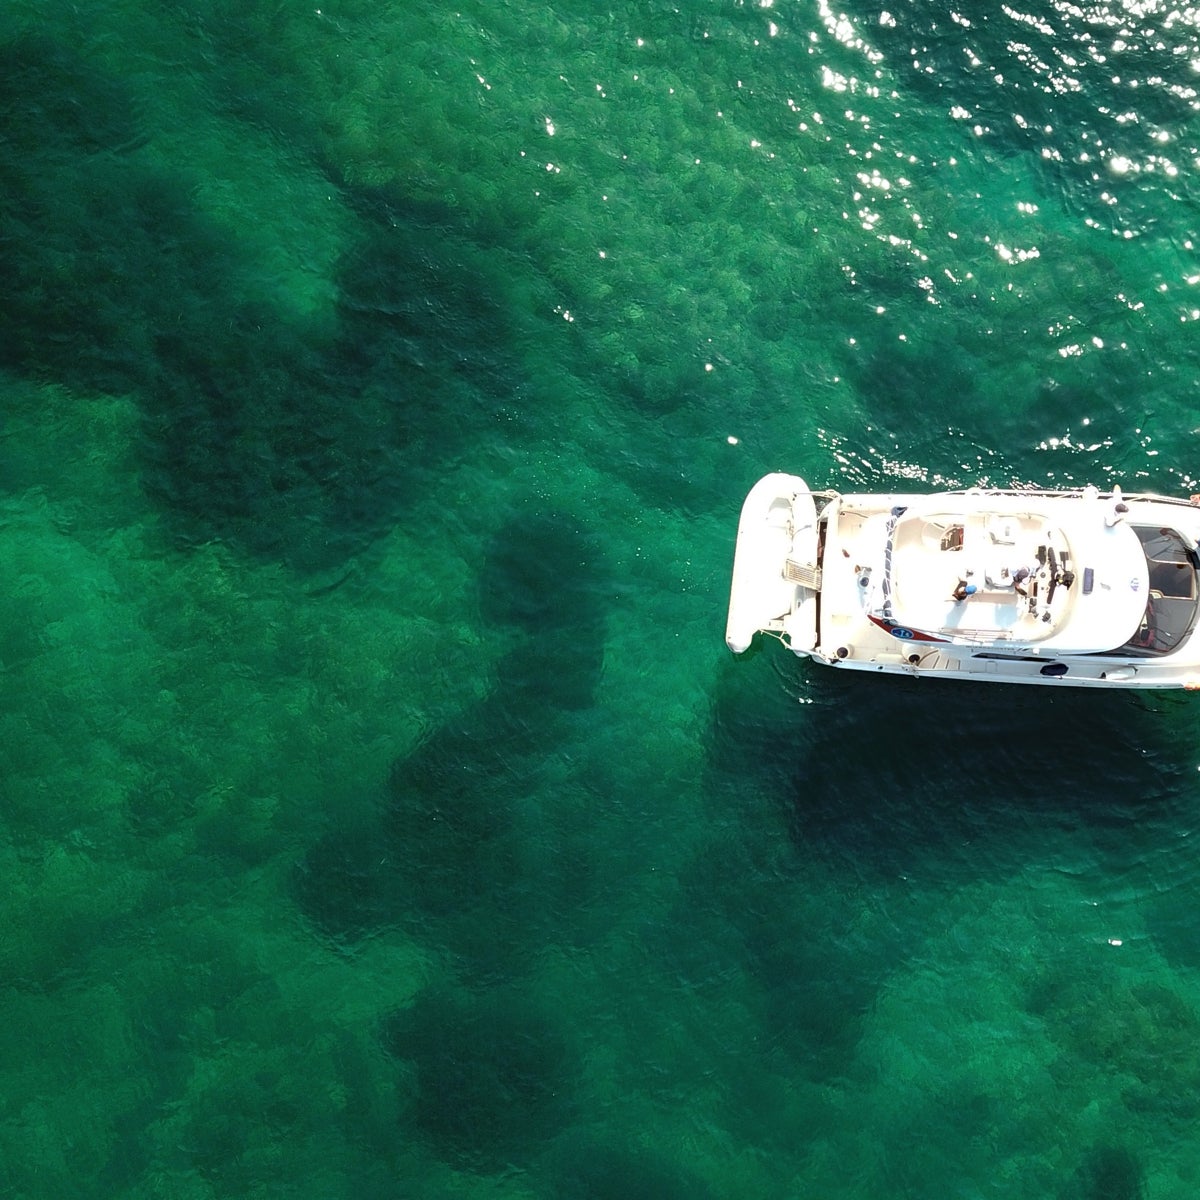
(877, 783)
(584, 1165)
(1107, 1173)
(467, 841)
(494, 1074)
(297, 439)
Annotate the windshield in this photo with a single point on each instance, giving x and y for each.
(1174, 599)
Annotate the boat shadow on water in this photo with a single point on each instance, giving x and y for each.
(838, 809)
(889, 773)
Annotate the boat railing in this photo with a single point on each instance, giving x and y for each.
(1059, 493)
(1155, 497)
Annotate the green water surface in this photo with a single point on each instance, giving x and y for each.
(382, 815)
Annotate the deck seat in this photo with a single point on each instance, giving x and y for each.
(1002, 531)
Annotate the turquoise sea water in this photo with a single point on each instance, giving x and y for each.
(382, 814)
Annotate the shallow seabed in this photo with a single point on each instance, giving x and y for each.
(382, 814)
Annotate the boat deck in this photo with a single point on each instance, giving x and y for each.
(1002, 569)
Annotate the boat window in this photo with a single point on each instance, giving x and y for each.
(1163, 545)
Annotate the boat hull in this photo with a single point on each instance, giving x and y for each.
(1111, 597)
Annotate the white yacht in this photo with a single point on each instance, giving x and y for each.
(1064, 588)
